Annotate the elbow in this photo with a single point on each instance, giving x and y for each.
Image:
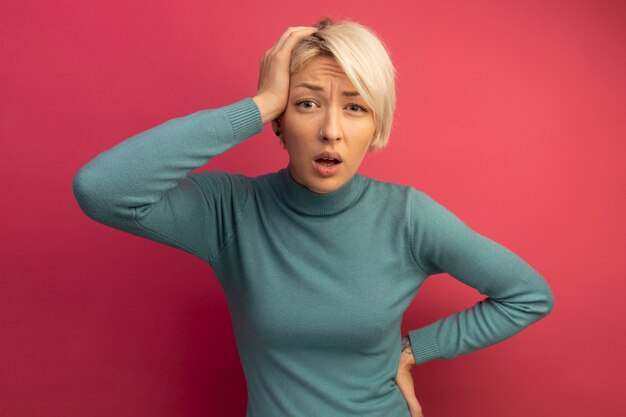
(80, 188)
(547, 304)
(533, 304)
(543, 300)
(85, 190)
(539, 297)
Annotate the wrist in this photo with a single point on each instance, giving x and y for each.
(267, 107)
(406, 344)
(407, 357)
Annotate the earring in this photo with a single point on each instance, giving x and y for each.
(278, 133)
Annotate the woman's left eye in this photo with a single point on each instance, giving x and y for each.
(357, 108)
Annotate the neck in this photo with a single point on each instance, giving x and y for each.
(305, 201)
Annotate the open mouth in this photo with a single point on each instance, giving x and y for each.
(327, 162)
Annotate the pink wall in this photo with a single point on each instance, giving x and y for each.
(509, 113)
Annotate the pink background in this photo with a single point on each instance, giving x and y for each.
(511, 114)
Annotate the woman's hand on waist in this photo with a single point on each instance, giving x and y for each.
(404, 379)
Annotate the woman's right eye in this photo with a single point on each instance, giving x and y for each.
(305, 104)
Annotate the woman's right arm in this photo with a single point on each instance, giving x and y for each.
(142, 185)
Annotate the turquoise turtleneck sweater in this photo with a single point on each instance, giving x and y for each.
(316, 283)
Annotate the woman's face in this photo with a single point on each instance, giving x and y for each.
(323, 101)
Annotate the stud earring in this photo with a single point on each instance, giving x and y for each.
(278, 133)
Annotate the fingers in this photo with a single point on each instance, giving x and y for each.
(404, 381)
(289, 39)
(291, 36)
(280, 53)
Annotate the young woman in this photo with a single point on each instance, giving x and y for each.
(318, 263)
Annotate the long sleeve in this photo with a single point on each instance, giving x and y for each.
(517, 295)
(142, 185)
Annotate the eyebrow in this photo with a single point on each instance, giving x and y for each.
(318, 88)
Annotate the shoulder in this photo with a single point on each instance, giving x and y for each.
(420, 207)
(406, 192)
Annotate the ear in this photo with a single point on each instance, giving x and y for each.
(276, 127)
(370, 147)
(276, 124)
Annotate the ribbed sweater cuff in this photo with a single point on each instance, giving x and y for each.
(245, 119)
(424, 343)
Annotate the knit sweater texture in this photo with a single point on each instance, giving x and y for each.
(316, 284)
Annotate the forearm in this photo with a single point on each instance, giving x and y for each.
(268, 107)
(517, 295)
(488, 322)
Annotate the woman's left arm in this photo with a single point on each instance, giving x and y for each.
(517, 295)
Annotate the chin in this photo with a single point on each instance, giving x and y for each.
(318, 184)
(324, 186)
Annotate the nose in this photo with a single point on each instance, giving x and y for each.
(331, 126)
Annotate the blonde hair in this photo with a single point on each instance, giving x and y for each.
(366, 62)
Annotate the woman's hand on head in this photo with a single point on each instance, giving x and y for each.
(404, 379)
(273, 87)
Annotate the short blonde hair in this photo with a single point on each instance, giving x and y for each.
(366, 62)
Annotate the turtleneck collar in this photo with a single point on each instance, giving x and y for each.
(305, 201)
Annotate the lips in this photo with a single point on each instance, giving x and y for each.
(327, 158)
